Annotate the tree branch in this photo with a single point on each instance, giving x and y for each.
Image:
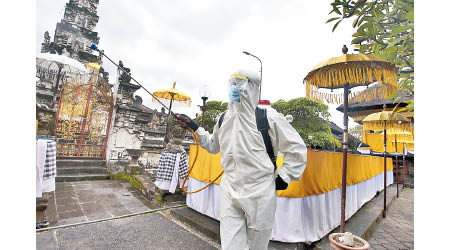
(357, 5)
(375, 40)
(407, 62)
(407, 2)
(407, 71)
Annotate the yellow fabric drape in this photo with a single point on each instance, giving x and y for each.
(323, 171)
(207, 166)
(376, 142)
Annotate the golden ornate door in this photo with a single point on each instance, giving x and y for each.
(83, 118)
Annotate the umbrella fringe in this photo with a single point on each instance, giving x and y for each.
(361, 96)
(179, 99)
(175, 103)
(46, 74)
(392, 127)
(337, 76)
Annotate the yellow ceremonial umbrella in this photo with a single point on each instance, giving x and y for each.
(93, 66)
(348, 71)
(386, 120)
(173, 96)
(400, 135)
(351, 70)
(406, 137)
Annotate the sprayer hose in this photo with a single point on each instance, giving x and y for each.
(170, 111)
(192, 166)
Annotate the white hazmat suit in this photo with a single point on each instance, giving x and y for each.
(248, 196)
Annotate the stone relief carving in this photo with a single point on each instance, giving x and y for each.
(124, 77)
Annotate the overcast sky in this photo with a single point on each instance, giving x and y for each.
(200, 42)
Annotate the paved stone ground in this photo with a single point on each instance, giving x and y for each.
(149, 231)
(84, 201)
(396, 231)
(75, 202)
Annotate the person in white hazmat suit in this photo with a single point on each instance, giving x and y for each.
(248, 195)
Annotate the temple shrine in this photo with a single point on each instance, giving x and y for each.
(106, 119)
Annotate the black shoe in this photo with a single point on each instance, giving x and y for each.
(42, 224)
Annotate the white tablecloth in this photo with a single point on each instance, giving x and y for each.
(306, 219)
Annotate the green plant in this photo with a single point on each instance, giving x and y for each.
(384, 28)
(310, 118)
(128, 178)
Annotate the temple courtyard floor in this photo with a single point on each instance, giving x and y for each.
(111, 214)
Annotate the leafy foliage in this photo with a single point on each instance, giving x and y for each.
(384, 28)
(356, 131)
(355, 137)
(213, 110)
(310, 118)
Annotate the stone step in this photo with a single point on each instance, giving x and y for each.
(203, 223)
(81, 177)
(153, 193)
(211, 227)
(79, 162)
(79, 170)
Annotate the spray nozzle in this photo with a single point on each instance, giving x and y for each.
(94, 46)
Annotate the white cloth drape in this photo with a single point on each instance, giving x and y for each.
(305, 219)
(174, 181)
(172, 184)
(45, 163)
(41, 151)
(48, 185)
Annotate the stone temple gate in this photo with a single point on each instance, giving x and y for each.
(83, 118)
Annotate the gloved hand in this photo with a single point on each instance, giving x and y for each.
(186, 122)
(280, 184)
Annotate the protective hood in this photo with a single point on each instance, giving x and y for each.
(247, 84)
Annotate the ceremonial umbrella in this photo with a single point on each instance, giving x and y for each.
(383, 120)
(348, 71)
(405, 137)
(53, 65)
(172, 96)
(64, 62)
(395, 136)
(405, 142)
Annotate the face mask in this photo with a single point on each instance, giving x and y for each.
(234, 95)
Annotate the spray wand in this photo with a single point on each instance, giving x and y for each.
(95, 47)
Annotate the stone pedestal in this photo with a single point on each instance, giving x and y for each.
(133, 167)
(41, 211)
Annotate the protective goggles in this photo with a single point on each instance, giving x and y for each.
(236, 80)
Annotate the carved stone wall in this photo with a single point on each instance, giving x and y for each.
(75, 32)
(45, 91)
(46, 119)
(131, 121)
(136, 127)
(73, 36)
